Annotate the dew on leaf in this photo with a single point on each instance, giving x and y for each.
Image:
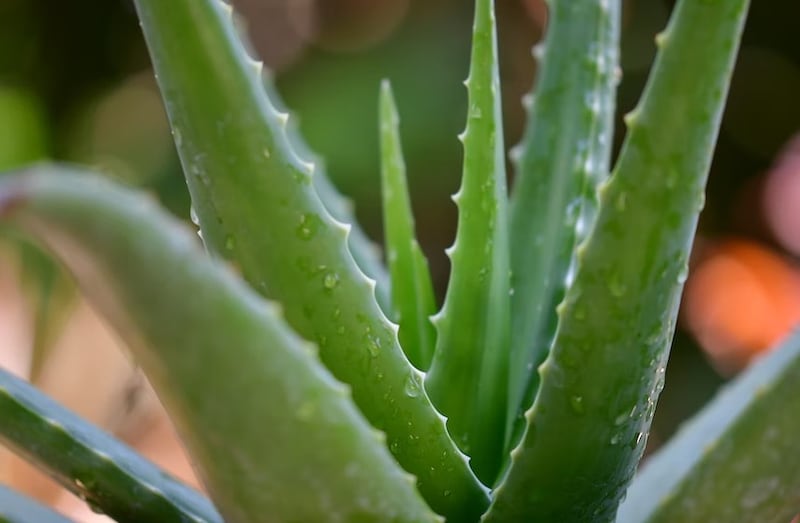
(309, 224)
(576, 402)
(411, 387)
(330, 281)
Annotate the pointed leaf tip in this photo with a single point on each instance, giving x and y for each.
(412, 288)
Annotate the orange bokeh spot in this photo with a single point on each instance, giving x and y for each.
(740, 301)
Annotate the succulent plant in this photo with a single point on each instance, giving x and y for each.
(309, 382)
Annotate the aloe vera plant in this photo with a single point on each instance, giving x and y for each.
(310, 383)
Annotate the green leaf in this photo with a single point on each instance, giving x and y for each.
(269, 429)
(468, 377)
(365, 253)
(563, 156)
(257, 206)
(587, 428)
(736, 460)
(412, 291)
(16, 508)
(105, 473)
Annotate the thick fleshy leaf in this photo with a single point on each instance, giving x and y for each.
(563, 156)
(366, 254)
(589, 423)
(257, 207)
(469, 374)
(108, 475)
(736, 460)
(16, 508)
(269, 429)
(412, 290)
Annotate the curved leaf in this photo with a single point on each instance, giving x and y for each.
(257, 207)
(736, 460)
(269, 429)
(589, 423)
(108, 475)
(563, 156)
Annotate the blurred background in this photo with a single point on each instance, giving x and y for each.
(75, 85)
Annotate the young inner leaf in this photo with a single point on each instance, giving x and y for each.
(468, 376)
(563, 156)
(412, 290)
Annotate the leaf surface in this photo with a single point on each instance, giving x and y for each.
(563, 156)
(736, 460)
(588, 425)
(108, 475)
(412, 290)
(257, 207)
(268, 427)
(468, 377)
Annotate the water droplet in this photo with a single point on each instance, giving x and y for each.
(579, 313)
(176, 134)
(340, 330)
(475, 112)
(446, 493)
(373, 345)
(576, 402)
(336, 313)
(305, 411)
(230, 242)
(411, 387)
(615, 438)
(622, 201)
(330, 281)
(616, 287)
(307, 229)
(265, 152)
(672, 179)
(200, 235)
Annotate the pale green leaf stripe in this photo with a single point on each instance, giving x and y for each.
(736, 460)
(271, 432)
(107, 474)
(563, 156)
(16, 508)
(256, 206)
(468, 378)
(587, 428)
(412, 291)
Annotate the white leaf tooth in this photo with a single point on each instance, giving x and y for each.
(226, 9)
(538, 51)
(308, 167)
(527, 101)
(515, 153)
